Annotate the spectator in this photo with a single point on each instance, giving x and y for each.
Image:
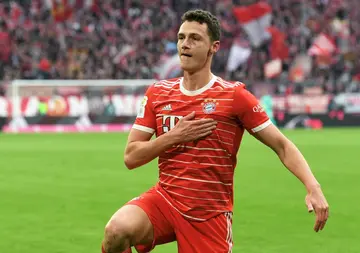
(127, 39)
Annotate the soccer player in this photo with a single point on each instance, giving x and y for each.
(199, 120)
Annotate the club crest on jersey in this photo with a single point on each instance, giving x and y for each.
(209, 105)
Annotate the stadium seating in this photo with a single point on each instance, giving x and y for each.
(130, 39)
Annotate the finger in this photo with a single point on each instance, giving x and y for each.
(200, 133)
(317, 224)
(321, 214)
(320, 222)
(327, 213)
(206, 125)
(317, 219)
(317, 229)
(322, 225)
(204, 129)
(326, 216)
(190, 116)
(203, 121)
(204, 134)
(320, 218)
(309, 207)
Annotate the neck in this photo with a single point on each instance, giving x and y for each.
(197, 80)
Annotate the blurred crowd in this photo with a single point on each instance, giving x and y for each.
(126, 39)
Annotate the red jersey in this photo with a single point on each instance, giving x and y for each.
(196, 178)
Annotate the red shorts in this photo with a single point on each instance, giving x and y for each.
(213, 235)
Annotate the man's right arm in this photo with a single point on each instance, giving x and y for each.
(141, 150)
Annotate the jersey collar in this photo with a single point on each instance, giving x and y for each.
(199, 91)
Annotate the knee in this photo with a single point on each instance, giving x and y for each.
(118, 230)
(118, 235)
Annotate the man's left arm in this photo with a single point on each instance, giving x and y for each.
(295, 162)
(254, 119)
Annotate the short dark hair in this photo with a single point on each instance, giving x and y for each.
(202, 16)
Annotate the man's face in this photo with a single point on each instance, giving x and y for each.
(194, 46)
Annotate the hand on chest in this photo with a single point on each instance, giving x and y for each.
(169, 112)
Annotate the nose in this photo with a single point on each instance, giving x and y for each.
(185, 44)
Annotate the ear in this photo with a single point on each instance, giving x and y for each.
(215, 47)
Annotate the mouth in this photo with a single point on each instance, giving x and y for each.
(187, 55)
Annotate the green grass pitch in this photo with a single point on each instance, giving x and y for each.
(57, 192)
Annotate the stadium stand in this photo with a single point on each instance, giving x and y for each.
(129, 39)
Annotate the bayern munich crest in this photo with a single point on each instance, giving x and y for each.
(209, 105)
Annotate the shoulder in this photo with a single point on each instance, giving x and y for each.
(230, 85)
(242, 97)
(236, 88)
(161, 87)
(166, 84)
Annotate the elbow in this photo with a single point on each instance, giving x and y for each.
(286, 149)
(129, 162)
(282, 148)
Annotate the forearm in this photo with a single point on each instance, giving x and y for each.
(295, 162)
(141, 152)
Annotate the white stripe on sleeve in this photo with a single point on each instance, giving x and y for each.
(262, 126)
(144, 128)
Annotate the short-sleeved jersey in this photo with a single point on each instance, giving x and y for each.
(196, 178)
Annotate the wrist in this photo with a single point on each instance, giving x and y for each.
(314, 186)
(170, 139)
